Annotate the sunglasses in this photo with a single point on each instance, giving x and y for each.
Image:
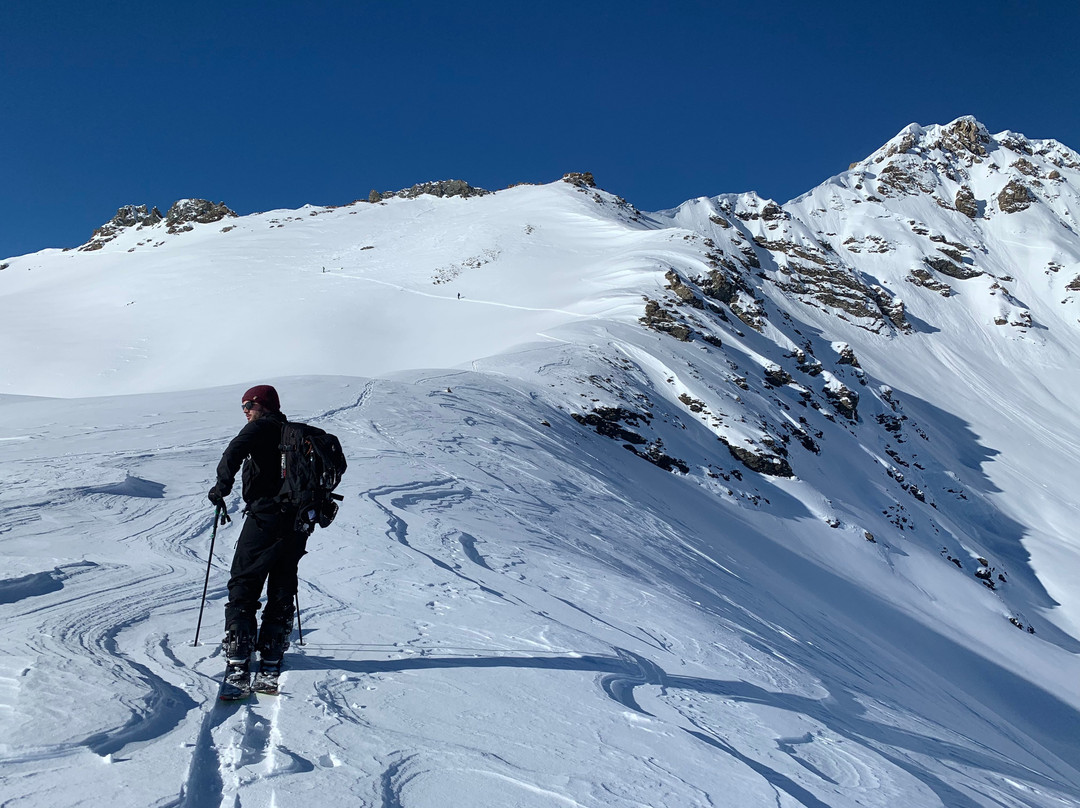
(247, 406)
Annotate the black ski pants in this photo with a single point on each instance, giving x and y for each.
(267, 554)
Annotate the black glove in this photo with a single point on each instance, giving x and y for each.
(216, 498)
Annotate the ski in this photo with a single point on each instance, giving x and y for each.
(266, 680)
(237, 683)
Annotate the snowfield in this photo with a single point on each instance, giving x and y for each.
(552, 582)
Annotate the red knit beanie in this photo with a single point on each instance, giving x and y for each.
(265, 395)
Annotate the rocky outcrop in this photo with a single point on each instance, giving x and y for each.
(442, 188)
(965, 203)
(683, 292)
(1015, 197)
(609, 422)
(662, 319)
(580, 179)
(953, 269)
(965, 135)
(127, 216)
(761, 462)
(847, 356)
(892, 307)
(921, 276)
(185, 213)
(894, 180)
(845, 400)
(871, 244)
(1026, 167)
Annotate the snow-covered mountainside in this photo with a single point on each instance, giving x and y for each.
(737, 504)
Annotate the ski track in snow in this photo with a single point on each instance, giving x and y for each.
(466, 301)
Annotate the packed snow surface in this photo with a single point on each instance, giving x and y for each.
(512, 608)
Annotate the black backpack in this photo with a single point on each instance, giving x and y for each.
(311, 467)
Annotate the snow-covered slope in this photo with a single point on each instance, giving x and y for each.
(725, 505)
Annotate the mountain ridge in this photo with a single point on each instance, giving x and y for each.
(779, 481)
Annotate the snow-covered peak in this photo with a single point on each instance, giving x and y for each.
(965, 138)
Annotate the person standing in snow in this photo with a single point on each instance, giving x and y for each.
(270, 547)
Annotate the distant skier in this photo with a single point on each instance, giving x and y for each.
(270, 545)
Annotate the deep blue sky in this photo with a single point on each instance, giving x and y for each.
(276, 104)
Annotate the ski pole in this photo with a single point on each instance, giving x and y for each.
(299, 628)
(213, 536)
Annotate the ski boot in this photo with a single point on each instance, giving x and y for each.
(237, 682)
(272, 645)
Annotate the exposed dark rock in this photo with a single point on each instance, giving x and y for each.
(725, 287)
(442, 188)
(836, 288)
(966, 204)
(1074, 284)
(656, 455)
(1020, 318)
(953, 270)
(891, 423)
(720, 287)
(695, 405)
(1026, 167)
(893, 178)
(920, 276)
(891, 307)
(762, 463)
(186, 212)
(952, 253)
(581, 180)
(607, 422)
(682, 291)
(776, 376)
(871, 243)
(966, 135)
(847, 357)
(661, 319)
(807, 442)
(951, 558)
(1017, 144)
(1015, 197)
(749, 311)
(127, 216)
(906, 144)
(773, 212)
(1020, 625)
(845, 401)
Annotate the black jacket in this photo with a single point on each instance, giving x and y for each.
(258, 449)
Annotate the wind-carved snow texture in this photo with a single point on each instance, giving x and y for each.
(418, 639)
(726, 505)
